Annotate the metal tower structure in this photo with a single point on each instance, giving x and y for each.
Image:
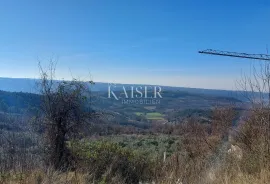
(236, 54)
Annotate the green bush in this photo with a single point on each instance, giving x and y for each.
(105, 160)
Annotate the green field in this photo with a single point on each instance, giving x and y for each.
(151, 115)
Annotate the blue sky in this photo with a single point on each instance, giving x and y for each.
(142, 41)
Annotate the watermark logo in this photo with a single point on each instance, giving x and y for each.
(139, 94)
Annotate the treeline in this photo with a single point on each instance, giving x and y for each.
(14, 102)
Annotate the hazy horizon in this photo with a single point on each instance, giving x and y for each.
(108, 82)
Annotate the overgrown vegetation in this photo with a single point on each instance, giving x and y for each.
(64, 141)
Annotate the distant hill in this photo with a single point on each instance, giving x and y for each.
(30, 86)
(18, 85)
(18, 102)
(173, 105)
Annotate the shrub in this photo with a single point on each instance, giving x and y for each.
(106, 160)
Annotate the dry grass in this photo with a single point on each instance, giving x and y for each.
(54, 177)
(44, 177)
(202, 158)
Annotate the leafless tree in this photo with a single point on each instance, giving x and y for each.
(66, 108)
(256, 86)
(255, 128)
